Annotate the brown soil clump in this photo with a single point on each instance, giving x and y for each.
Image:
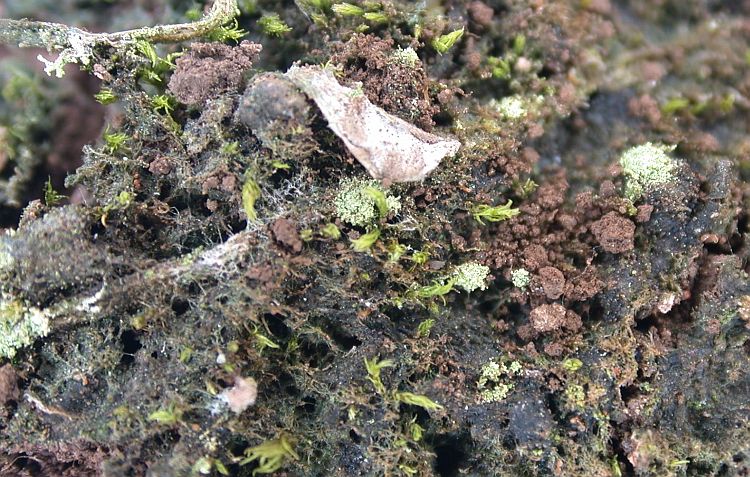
(393, 84)
(584, 286)
(481, 13)
(614, 233)
(285, 233)
(8, 385)
(552, 281)
(546, 318)
(210, 69)
(270, 98)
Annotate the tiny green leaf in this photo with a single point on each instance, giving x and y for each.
(366, 241)
(250, 194)
(273, 25)
(445, 42)
(494, 213)
(417, 400)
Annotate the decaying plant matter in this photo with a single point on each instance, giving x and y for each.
(390, 148)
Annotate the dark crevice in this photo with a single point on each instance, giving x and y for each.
(130, 345)
(452, 452)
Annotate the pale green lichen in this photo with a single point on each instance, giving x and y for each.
(512, 107)
(471, 276)
(20, 326)
(356, 206)
(407, 57)
(520, 278)
(645, 167)
(495, 377)
(6, 259)
(517, 106)
(575, 395)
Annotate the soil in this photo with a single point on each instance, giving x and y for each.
(209, 70)
(209, 310)
(614, 233)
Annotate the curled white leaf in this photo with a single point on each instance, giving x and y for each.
(390, 148)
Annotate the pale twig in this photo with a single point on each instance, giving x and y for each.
(77, 46)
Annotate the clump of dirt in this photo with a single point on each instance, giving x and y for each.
(285, 232)
(614, 233)
(546, 318)
(481, 13)
(9, 390)
(208, 70)
(391, 78)
(552, 281)
(279, 115)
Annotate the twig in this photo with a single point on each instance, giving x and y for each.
(77, 46)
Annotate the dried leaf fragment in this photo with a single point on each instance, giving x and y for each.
(242, 395)
(390, 148)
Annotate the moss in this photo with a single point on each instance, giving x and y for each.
(646, 166)
(482, 212)
(417, 400)
(273, 25)
(330, 231)
(26, 103)
(374, 367)
(250, 194)
(271, 455)
(303, 320)
(366, 241)
(346, 9)
(572, 365)
(443, 43)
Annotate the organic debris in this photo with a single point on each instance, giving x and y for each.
(391, 149)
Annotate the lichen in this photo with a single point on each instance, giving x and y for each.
(520, 278)
(406, 57)
(19, 326)
(471, 276)
(511, 107)
(356, 207)
(575, 396)
(494, 377)
(6, 259)
(645, 167)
